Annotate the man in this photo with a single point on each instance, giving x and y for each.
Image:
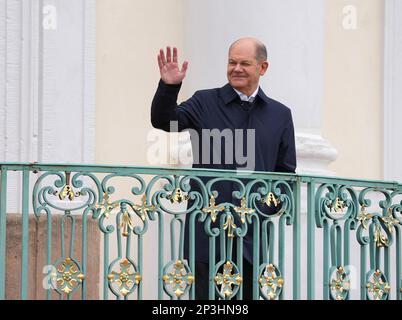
(239, 105)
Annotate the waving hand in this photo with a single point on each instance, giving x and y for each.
(169, 67)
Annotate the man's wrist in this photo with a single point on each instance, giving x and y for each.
(171, 84)
(169, 89)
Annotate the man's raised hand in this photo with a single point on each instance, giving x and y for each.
(169, 68)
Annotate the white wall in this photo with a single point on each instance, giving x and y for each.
(47, 87)
(292, 31)
(47, 78)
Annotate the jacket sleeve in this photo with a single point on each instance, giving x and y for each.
(164, 109)
(286, 161)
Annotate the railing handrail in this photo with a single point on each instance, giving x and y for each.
(106, 168)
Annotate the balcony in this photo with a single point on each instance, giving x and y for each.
(115, 232)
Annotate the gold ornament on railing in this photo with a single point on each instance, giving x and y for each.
(390, 221)
(143, 209)
(364, 217)
(340, 285)
(107, 205)
(338, 206)
(67, 191)
(243, 210)
(380, 238)
(228, 279)
(126, 224)
(68, 276)
(270, 282)
(213, 209)
(179, 278)
(126, 278)
(230, 226)
(177, 196)
(270, 200)
(377, 286)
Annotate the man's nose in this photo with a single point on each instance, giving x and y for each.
(237, 67)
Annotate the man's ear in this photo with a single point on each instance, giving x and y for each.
(264, 68)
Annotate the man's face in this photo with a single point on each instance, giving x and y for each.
(244, 70)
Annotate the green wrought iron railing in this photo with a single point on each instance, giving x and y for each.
(89, 232)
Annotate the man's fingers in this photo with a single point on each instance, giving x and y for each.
(184, 67)
(162, 56)
(168, 55)
(160, 63)
(174, 54)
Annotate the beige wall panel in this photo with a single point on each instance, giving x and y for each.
(129, 35)
(353, 88)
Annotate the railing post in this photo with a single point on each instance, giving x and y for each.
(211, 287)
(310, 240)
(105, 266)
(3, 230)
(296, 241)
(25, 234)
(160, 254)
(140, 249)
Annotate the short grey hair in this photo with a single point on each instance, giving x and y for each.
(261, 54)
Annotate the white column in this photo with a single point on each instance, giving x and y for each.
(47, 82)
(293, 32)
(392, 90)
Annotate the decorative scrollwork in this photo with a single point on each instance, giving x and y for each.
(377, 287)
(271, 281)
(176, 190)
(339, 283)
(385, 223)
(67, 277)
(380, 223)
(340, 202)
(52, 189)
(272, 199)
(229, 278)
(179, 280)
(67, 191)
(126, 279)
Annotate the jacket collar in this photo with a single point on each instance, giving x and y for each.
(228, 94)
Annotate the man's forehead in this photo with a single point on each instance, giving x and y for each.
(242, 51)
(241, 56)
(241, 59)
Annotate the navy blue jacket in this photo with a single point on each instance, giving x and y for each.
(221, 108)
